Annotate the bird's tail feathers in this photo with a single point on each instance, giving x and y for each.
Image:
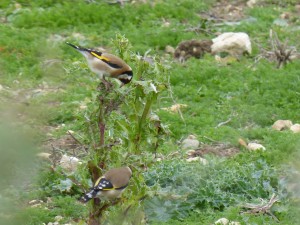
(76, 47)
(88, 196)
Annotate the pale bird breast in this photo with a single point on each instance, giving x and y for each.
(109, 195)
(99, 67)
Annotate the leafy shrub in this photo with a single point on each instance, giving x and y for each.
(185, 187)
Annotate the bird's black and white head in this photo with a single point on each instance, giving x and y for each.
(126, 77)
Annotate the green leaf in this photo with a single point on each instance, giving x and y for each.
(64, 185)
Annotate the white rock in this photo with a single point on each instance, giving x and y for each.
(255, 146)
(58, 218)
(222, 221)
(35, 201)
(282, 124)
(82, 107)
(251, 3)
(1, 87)
(190, 143)
(175, 108)
(190, 152)
(193, 159)
(169, 49)
(154, 117)
(36, 205)
(199, 159)
(70, 131)
(158, 159)
(233, 43)
(203, 161)
(69, 163)
(44, 155)
(234, 223)
(295, 128)
(55, 223)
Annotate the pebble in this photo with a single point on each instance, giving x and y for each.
(190, 143)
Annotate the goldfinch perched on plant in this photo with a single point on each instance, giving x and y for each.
(105, 64)
(110, 186)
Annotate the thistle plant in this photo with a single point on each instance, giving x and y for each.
(122, 127)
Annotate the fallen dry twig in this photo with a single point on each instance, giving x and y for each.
(264, 207)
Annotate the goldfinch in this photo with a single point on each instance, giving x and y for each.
(105, 64)
(110, 186)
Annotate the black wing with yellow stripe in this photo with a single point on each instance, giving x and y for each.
(102, 184)
(96, 54)
(99, 55)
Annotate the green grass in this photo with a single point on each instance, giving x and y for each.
(34, 57)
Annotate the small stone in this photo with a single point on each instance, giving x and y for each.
(190, 143)
(35, 201)
(49, 200)
(18, 6)
(82, 107)
(203, 161)
(58, 218)
(285, 15)
(255, 146)
(154, 117)
(69, 163)
(222, 221)
(295, 128)
(234, 223)
(282, 124)
(44, 155)
(242, 142)
(169, 49)
(166, 24)
(36, 205)
(190, 152)
(251, 3)
(197, 158)
(175, 108)
(45, 84)
(1, 87)
(193, 159)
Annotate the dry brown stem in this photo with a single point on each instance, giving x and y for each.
(280, 52)
(264, 207)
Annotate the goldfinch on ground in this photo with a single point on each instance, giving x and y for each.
(110, 186)
(105, 64)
